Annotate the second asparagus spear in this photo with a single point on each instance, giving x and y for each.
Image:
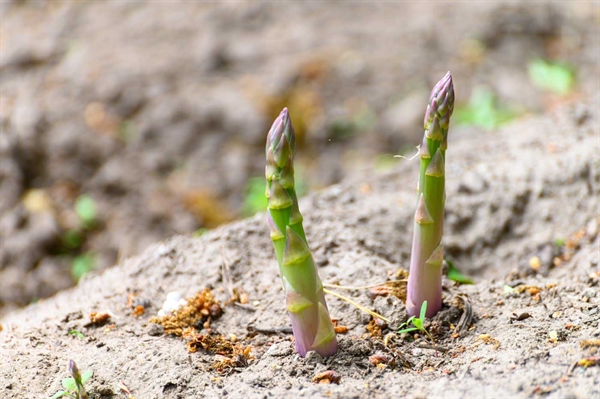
(305, 299)
(427, 255)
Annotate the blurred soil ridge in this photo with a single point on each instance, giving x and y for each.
(115, 135)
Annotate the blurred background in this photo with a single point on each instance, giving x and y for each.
(124, 122)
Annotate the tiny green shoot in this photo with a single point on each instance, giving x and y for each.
(74, 385)
(200, 232)
(82, 264)
(85, 208)
(254, 200)
(507, 289)
(560, 242)
(482, 110)
(73, 239)
(418, 323)
(552, 76)
(76, 333)
(455, 275)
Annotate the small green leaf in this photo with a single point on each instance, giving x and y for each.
(552, 76)
(69, 384)
(76, 333)
(255, 200)
(200, 232)
(423, 311)
(455, 275)
(86, 376)
(507, 289)
(482, 110)
(559, 242)
(82, 265)
(407, 330)
(85, 207)
(73, 239)
(407, 322)
(59, 394)
(419, 324)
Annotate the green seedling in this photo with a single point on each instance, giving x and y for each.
(483, 111)
(507, 289)
(455, 275)
(552, 76)
(73, 239)
(254, 199)
(76, 333)
(74, 385)
(85, 208)
(82, 264)
(200, 232)
(418, 323)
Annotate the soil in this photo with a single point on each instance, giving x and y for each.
(535, 304)
(160, 118)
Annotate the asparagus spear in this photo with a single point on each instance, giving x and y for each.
(425, 278)
(81, 394)
(305, 299)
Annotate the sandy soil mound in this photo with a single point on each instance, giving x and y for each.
(522, 216)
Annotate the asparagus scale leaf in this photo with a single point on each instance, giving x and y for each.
(425, 277)
(305, 298)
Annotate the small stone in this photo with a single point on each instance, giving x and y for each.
(580, 114)
(313, 357)
(591, 229)
(155, 330)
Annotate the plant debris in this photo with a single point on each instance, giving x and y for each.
(252, 330)
(327, 377)
(589, 362)
(99, 319)
(228, 353)
(589, 343)
(375, 328)
(466, 319)
(489, 340)
(198, 312)
(382, 360)
(138, 311)
(519, 317)
(337, 328)
(393, 287)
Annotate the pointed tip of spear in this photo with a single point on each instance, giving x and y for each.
(441, 100)
(281, 139)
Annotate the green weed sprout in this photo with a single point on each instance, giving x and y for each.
(418, 323)
(305, 298)
(552, 76)
(74, 384)
(427, 255)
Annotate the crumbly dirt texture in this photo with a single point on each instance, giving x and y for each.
(511, 194)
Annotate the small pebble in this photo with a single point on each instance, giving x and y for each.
(155, 330)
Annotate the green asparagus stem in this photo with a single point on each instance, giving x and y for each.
(306, 304)
(425, 278)
(77, 377)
